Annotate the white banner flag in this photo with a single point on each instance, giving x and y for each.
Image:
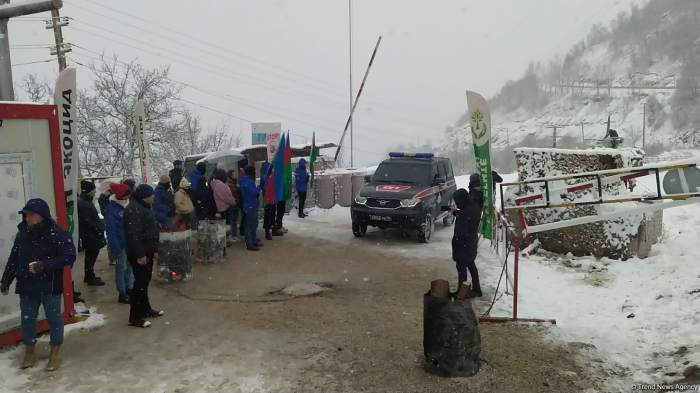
(144, 155)
(65, 99)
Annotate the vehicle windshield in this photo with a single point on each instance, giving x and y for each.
(393, 172)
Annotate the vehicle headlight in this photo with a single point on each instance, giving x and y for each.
(410, 202)
(360, 200)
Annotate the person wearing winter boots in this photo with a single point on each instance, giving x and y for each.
(183, 203)
(142, 237)
(164, 203)
(251, 202)
(176, 174)
(233, 212)
(223, 197)
(116, 239)
(91, 230)
(41, 252)
(270, 212)
(197, 173)
(466, 236)
(301, 182)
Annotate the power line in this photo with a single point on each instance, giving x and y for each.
(205, 42)
(233, 99)
(218, 111)
(32, 62)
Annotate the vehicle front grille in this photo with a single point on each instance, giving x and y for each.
(383, 203)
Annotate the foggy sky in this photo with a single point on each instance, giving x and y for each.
(295, 56)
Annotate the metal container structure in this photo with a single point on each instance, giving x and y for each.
(175, 257)
(344, 187)
(325, 191)
(211, 241)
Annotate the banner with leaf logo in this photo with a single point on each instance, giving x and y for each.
(480, 119)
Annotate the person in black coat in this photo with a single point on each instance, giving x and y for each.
(41, 252)
(142, 237)
(466, 235)
(91, 230)
(204, 203)
(176, 174)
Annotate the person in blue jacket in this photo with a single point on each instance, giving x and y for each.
(164, 203)
(301, 182)
(116, 239)
(40, 254)
(251, 202)
(197, 173)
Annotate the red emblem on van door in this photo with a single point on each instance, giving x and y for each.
(392, 188)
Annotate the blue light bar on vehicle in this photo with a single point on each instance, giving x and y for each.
(394, 154)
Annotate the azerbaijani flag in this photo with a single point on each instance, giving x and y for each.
(312, 159)
(288, 179)
(278, 170)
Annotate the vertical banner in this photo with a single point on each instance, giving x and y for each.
(480, 119)
(142, 141)
(65, 99)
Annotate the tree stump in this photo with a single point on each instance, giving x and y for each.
(440, 288)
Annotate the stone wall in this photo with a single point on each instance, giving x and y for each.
(610, 238)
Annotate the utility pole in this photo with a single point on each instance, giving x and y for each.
(352, 143)
(7, 11)
(644, 126)
(56, 23)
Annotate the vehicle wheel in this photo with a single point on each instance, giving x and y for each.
(358, 229)
(426, 229)
(449, 220)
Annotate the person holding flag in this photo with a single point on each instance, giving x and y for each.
(288, 180)
(270, 212)
(250, 193)
(302, 178)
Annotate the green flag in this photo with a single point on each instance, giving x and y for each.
(480, 118)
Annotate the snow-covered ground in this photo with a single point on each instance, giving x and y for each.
(592, 301)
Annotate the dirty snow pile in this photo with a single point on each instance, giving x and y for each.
(12, 378)
(639, 316)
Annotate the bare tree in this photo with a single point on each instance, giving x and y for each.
(36, 90)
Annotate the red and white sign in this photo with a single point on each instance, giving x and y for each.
(392, 188)
(273, 142)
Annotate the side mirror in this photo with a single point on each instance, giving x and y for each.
(439, 182)
(368, 179)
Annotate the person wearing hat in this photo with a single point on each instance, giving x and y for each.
(116, 239)
(176, 174)
(142, 237)
(164, 202)
(183, 203)
(197, 173)
(91, 230)
(131, 183)
(41, 252)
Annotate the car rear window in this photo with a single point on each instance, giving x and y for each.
(396, 172)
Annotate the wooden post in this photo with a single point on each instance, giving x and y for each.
(440, 288)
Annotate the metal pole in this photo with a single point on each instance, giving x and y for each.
(7, 92)
(352, 144)
(357, 99)
(583, 134)
(644, 126)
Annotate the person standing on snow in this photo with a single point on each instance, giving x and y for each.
(222, 196)
(142, 237)
(183, 203)
(91, 230)
(197, 173)
(176, 174)
(270, 212)
(232, 183)
(251, 204)
(164, 203)
(301, 178)
(465, 241)
(38, 258)
(116, 239)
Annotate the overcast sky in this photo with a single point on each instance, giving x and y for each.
(291, 58)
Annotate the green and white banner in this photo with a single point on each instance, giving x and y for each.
(480, 118)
